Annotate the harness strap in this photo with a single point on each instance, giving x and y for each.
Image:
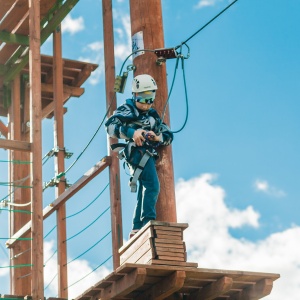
(138, 170)
(119, 147)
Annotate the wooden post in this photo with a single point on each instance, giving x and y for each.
(114, 169)
(37, 270)
(60, 163)
(146, 17)
(20, 283)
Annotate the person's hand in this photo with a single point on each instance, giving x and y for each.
(151, 136)
(138, 137)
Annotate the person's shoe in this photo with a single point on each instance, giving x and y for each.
(133, 232)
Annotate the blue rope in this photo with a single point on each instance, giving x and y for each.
(88, 225)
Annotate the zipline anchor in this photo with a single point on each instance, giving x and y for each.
(165, 53)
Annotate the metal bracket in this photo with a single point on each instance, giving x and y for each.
(165, 53)
(54, 151)
(55, 181)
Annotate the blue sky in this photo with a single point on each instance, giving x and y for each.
(236, 162)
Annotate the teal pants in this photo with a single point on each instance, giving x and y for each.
(148, 192)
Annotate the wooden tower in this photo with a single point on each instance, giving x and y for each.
(153, 264)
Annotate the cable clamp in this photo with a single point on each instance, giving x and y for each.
(4, 203)
(55, 181)
(165, 53)
(55, 150)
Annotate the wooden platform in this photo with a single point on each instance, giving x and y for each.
(145, 282)
(154, 266)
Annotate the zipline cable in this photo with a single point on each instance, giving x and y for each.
(89, 273)
(88, 225)
(89, 203)
(107, 111)
(89, 248)
(50, 281)
(220, 13)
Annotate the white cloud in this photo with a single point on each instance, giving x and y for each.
(95, 55)
(209, 242)
(123, 37)
(205, 3)
(95, 51)
(76, 271)
(72, 25)
(264, 187)
(3, 270)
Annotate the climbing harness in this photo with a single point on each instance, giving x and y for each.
(135, 163)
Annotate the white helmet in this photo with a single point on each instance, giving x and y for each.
(143, 83)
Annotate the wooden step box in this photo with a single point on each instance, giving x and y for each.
(157, 243)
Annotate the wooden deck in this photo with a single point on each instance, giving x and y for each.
(142, 282)
(154, 266)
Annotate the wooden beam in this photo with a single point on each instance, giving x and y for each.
(49, 109)
(68, 92)
(85, 73)
(125, 285)
(165, 287)
(13, 38)
(72, 91)
(213, 290)
(37, 253)
(111, 104)
(79, 184)
(259, 290)
(15, 145)
(3, 69)
(58, 101)
(45, 33)
(3, 129)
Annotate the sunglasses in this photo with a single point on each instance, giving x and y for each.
(144, 101)
(146, 97)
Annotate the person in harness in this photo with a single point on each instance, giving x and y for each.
(141, 127)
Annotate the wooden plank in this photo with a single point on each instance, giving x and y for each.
(172, 258)
(213, 290)
(168, 241)
(3, 129)
(135, 238)
(170, 253)
(169, 224)
(168, 232)
(140, 251)
(168, 237)
(165, 287)
(172, 246)
(109, 279)
(168, 228)
(259, 290)
(201, 273)
(143, 237)
(15, 145)
(70, 90)
(125, 285)
(146, 257)
(172, 263)
(77, 186)
(5, 6)
(50, 107)
(169, 249)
